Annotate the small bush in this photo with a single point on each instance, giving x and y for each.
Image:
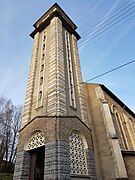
(6, 176)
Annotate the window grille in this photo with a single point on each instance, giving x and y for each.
(77, 155)
(36, 140)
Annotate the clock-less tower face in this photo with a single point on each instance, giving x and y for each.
(54, 108)
(55, 81)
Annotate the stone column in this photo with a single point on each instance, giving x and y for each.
(118, 162)
(56, 78)
(79, 84)
(56, 161)
(31, 80)
(91, 163)
(22, 166)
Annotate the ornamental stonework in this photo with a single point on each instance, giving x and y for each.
(77, 155)
(36, 140)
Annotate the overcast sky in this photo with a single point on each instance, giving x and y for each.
(111, 44)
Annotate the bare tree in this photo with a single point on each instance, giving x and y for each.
(15, 127)
(10, 118)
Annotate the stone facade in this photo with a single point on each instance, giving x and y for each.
(129, 159)
(56, 79)
(56, 131)
(77, 131)
(31, 80)
(22, 166)
(56, 160)
(54, 106)
(112, 124)
(79, 84)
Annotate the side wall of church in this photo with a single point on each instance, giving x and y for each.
(129, 159)
(124, 124)
(107, 148)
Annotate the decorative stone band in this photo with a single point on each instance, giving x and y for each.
(31, 80)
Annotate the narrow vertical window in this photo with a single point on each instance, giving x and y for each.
(41, 80)
(43, 55)
(40, 95)
(44, 37)
(70, 72)
(43, 46)
(42, 67)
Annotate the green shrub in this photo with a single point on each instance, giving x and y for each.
(6, 176)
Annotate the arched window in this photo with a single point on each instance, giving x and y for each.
(119, 127)
(129, 131)
(36, 140)
(122, 136)
(77, 155)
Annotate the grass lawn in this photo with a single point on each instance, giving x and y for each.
(6, 176)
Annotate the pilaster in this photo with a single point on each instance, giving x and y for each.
(91, 163)
(118, 163)
(79, 84)
(56, 161)
(22, 166)
(31, 80)
(56, 86)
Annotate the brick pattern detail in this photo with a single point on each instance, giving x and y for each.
(30, 86)
(56, 87)
(22, 166)
(80, 89)
(56, 161)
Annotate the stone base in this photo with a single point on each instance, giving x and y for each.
(22, 166)
(56, 131)
(56, 161)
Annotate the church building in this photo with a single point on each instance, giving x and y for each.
(70, 129)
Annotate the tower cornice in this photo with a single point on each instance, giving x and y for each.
(55, 11)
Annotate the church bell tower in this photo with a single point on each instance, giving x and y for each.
(55, 137)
